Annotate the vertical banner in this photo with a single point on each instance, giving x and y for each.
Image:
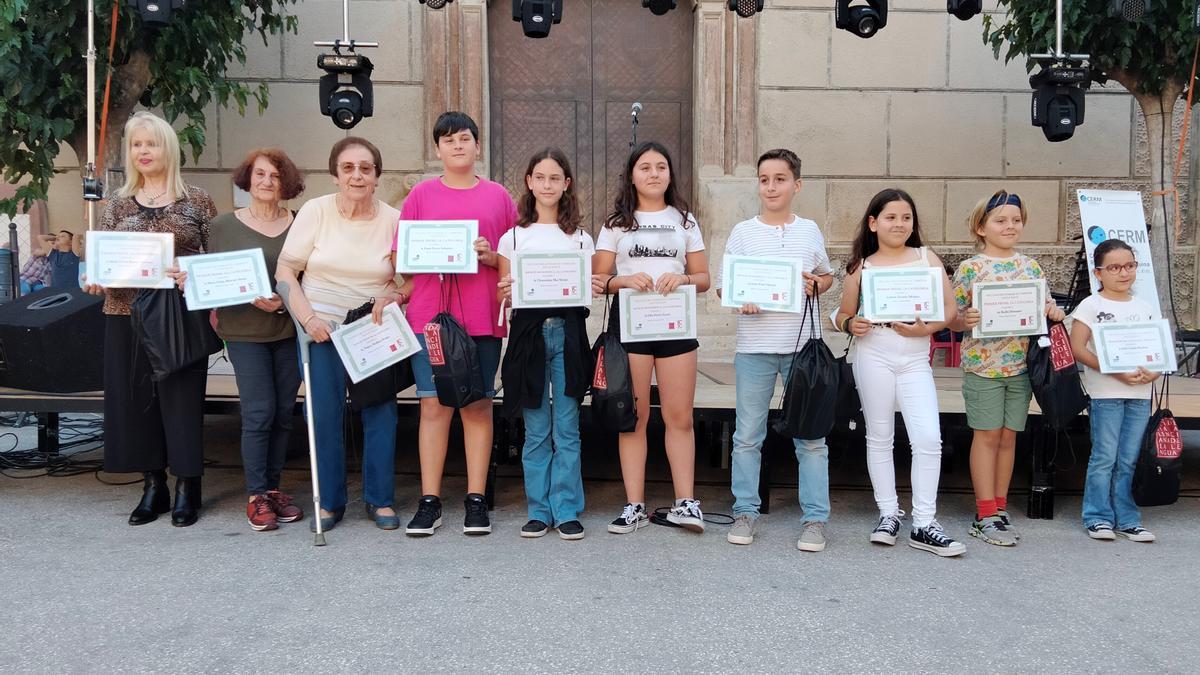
(1118, 214)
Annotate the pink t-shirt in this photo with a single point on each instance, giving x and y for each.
(472, 297)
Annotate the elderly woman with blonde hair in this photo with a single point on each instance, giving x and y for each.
(152, 426)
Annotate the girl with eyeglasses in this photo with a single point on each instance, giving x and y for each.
(1120, 407)
(995, 388)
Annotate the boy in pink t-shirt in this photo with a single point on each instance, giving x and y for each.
(458, 194)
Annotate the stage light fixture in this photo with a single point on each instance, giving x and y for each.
(535, 16)
(964, 9)
(1058, 96)
(863, 20)
(156, 12)
(659, 7)
(1130, 10)
(435, 4)
(746, 8)
(345, 90)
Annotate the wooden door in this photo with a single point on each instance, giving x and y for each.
(575, 89)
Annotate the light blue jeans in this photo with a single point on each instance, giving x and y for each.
(1118, 425)
(553, 482)
(756, 375)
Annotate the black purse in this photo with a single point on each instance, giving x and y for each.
(613, 405)
(849, 406)
(1054, 377)
(172, 337)
(383, 385)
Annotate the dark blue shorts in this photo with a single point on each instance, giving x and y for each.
(486, 346)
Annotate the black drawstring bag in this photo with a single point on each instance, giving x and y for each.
(1055, 378)
(383, 385)
(172, 337)
(452, 353)
(810, 398)
(849, 406)
(1160, 461)
(612, 387)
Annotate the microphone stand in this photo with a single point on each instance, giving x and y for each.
(633, 124)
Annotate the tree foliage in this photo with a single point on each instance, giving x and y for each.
(179, 68)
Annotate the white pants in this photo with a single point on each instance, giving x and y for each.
(891, 370)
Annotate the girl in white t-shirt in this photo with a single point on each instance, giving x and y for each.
(547, 351)
(651, 242)
(1120, 407)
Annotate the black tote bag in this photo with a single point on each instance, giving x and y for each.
(173, 337)
(612, 385)
(810, 398)
(1054, 377)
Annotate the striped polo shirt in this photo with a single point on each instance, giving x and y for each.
(776, 332)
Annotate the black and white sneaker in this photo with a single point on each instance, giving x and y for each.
(933, 538)
(534, 529)
(571, 530)
(476, 521)
(631, 518)
(1002, 514)
(687, 515)
(1136, 533)
(428, 518)
(1101, 531)
(887, 529)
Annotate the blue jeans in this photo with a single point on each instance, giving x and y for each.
(328, 391)
(755, 385)
(1118, 425)
(267, 379)
(487, 348)
(553, 482)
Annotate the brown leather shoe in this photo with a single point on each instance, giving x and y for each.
(285, 510)
(260, 514)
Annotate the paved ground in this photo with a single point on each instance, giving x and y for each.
(84, 592)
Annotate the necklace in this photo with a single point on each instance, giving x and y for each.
(342, 211)
(279, 213)
(151, 201)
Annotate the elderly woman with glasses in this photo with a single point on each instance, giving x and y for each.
(342, 244)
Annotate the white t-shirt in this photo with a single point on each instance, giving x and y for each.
(775, 332)
(1099, 309)
(659, 244)
(543, 237)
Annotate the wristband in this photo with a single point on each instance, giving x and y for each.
(846, 324)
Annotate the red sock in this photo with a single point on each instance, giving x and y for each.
(1001, 503)
(985, 508)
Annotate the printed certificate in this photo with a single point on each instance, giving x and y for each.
(1009, 308)
(129, 259)
(774, 284)
(551, 279)
(904, 294)
(366, 348)
(437, 246)
(647, 316)
(1122, 347)
(225, 279)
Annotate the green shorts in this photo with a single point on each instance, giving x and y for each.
(995, 402)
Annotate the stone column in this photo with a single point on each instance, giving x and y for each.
(725, 91)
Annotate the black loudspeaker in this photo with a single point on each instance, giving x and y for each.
(53, 340)
(6, 276)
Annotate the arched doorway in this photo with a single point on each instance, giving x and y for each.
(574, 89)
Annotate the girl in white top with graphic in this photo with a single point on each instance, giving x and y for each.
(891, 365)
(651, 242)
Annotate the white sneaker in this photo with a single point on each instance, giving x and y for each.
(1101, 531)
(687, 515)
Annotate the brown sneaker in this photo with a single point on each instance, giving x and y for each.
(260, 515)
(285, 510)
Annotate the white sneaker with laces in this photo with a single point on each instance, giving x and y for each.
(687, 515)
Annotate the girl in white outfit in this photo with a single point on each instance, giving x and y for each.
(891, 366)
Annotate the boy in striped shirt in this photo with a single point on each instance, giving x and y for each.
(766, 342)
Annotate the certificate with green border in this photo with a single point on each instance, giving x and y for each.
(903, 294)
(1123, 347)
(551, 279)
(1009, 308)
(437, 246)
(129, 259)
(367, 348)
(773, 284)
(225, 279)
(648, 316)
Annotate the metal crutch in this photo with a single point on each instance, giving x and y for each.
(304, 342)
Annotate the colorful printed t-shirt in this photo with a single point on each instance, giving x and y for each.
(993, 357)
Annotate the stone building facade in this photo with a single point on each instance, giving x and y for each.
(923, 105)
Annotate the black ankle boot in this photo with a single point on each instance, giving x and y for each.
(187, 502)
(156, 498)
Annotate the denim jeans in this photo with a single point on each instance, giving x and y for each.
(1118, 425)
(756, 375)
(553, 483)
(267, 378)
(328, 391)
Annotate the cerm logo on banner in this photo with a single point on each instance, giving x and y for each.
(1118, 214)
